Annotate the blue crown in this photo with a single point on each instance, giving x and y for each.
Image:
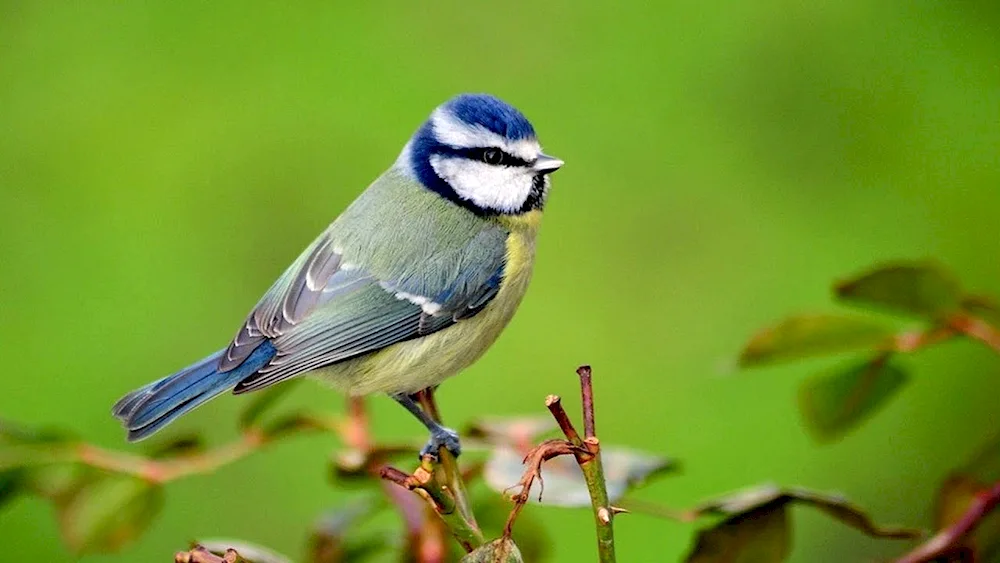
(492, 113)
(481, 110)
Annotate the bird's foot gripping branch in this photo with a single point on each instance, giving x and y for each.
(442, 487)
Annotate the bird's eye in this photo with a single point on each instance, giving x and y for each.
(493, 156)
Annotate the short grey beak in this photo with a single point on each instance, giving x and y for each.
(545, 164)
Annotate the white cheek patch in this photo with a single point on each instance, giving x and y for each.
(454, 132)
(498, 188)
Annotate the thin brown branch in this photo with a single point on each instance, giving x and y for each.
(587, 394)
(429, 483)
(912, 341)
(950, 539)
(398, 477)
(354, 429)
(554, 404)
(977, 329)
(162, 471)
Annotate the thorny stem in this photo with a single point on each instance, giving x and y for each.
(587, 452)
(587, 395)
(593, 474)
(950, 539)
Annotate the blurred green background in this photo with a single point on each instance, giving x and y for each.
(161, 163)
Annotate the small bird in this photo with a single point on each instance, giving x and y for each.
(411, 284)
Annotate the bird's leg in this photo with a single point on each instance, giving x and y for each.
(440, 436)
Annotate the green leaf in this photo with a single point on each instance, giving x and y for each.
(263, 401)
(760, 535)
(57, 482)
(36, 461)
(839, 508)
(563, 480)
(107, 513)
(924, 289)
(11, 433)
(835, 403)
(813, 335)
(23, 447)
(502, 550)
(755, 524)
(13, 456)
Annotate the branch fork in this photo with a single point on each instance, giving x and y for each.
(439, 482)
(587, 451)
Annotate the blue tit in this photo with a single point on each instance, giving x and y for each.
(412, 283)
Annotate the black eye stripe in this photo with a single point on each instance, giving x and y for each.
(479, 153)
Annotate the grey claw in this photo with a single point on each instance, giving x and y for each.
(442, 437)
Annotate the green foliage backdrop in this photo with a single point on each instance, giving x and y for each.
(160, 163)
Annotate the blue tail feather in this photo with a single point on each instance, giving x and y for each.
(149, 408)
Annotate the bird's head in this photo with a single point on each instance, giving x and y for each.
(481, 153)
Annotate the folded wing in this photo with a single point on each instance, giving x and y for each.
(327, 308)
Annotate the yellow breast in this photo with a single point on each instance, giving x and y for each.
(416, 364)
